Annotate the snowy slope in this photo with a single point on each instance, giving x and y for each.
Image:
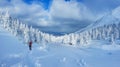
(50, 52)
(13, 53)
(112, 17)
(106, 28)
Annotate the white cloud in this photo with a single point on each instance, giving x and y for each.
(26, 12)
(64, 9)
(69, 15)
(69, 10)
(62, 14)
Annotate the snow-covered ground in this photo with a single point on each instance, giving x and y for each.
(13, 53)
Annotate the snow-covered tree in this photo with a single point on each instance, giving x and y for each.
(26, 34)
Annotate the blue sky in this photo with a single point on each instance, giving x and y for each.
(60, 16)
(45, 3)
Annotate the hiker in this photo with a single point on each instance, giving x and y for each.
(30, 45)
(70, 44)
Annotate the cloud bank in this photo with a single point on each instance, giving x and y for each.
(61, 16)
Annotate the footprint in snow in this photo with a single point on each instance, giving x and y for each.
(81, 63)
(109, 53)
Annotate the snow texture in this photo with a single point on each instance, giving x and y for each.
(97, 45)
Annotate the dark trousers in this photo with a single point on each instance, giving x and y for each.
(30, 47)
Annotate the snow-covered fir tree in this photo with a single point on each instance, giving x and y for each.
(110, 32)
